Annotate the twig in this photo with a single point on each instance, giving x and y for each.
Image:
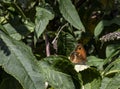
(54, 42)
(59, 33)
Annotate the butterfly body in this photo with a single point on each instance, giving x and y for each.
(78, 56)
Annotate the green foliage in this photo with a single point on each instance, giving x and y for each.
(42, 19)
(70, 14)
(56, 75)
(18, 60)
(111, 83)
(90, 81)
(94, 61)
(30, 30)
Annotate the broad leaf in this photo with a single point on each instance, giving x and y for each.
(17, 59)
(18, 30)
(60, 73)
(3, 29)
(113, 67)
(12, 31)
(70, 14)
(111, 82)
(94, 61)
(100, 26)
(42, 19)
(111, 49)
(91, 78)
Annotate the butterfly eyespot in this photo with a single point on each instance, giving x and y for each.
(79, 48)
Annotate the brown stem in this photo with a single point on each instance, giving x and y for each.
(47, 45)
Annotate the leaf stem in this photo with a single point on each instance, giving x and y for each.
(20, 10)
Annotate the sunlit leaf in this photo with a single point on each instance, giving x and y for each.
(70, 14)
(42, 19)
(12, 31)
(94, 61)
(3, 29)
(60, 73)
(112, 49)
(18, 31)
(17, 59)
(111, 82)
(113, 67)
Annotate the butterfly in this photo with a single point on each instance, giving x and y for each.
(78, 56)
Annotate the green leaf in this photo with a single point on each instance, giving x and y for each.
(112, 49)
(17, 59)
(18, 31)
(98, 28)
(3, 29)
(12, 31)
(30, 26)
(113, 67)
(111, 82)
(91, 78)
(94, 61)
(66, 43)
(60, 73)
(69, 12)
(42, 19)
(58, 80)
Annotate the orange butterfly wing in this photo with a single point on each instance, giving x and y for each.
(78, 55)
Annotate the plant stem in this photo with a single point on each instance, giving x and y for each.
(47, 45)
